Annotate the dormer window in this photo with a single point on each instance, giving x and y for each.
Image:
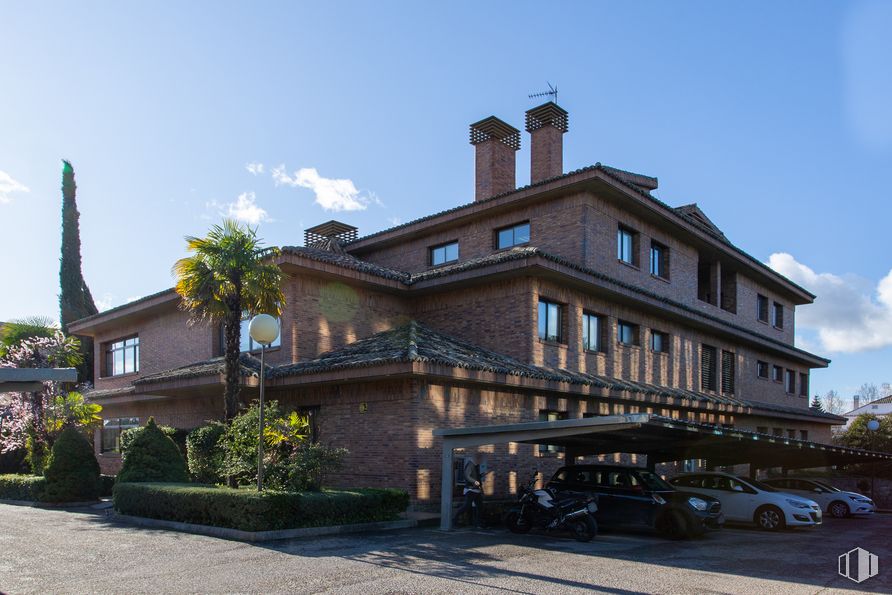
(515, 235)
(444, 253)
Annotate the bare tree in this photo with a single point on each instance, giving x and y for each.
(833, 403)
(869, 392)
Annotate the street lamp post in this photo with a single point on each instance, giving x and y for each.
(264, 329)
(872, 427)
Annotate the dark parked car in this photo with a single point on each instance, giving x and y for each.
(633, 497)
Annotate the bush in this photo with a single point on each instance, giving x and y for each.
(239, 445)
(204, 454)
(72, 471)
(310, 463)
(249, 510)
(22, 487)
(152, 456)
(13, 461)
(129, 435)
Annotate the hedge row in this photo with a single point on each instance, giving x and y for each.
(248, 510)
(22, 487)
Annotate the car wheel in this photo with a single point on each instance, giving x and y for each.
(584, 528)
(839, 510)
(516, 523)
(770, 518)
(672, 524)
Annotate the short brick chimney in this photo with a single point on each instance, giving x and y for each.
(496, 143)
(546, 125)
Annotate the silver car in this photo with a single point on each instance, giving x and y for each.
(838, 503)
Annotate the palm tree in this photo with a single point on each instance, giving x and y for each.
(229, 273)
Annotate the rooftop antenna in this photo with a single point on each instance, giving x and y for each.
(552, 92)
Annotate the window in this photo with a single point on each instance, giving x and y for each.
(627, 245)
(729, 290)
(513, 236)
(777, 374)
(111, 432)
(803, 384)
(550, 321)
(312, 415)
(790, 382)
(659, 341)
(762, 369)
(706, 281)
(791, 434)
(550, 415)
(444, 253)
(762, 308)
(246, 343)
(592, 332)
(122, 357)
(707, 367)
(626, 332)
(777, 431)
(659, 260)
(803, 434)
(777, 316)
(728, 366)
(762, 429)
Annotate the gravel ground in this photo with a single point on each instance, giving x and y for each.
(43, 551)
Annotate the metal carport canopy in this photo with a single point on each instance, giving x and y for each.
(661, 438)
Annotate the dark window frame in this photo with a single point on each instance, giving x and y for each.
(777, 315)
(635, 330)
(803, 384)
(600, 339)
(767, 367)
(110, 433)
(763, 305)
(659, 260)
(777, 374)
(497, 235)
(549, 307)
(790, 381)
(634, 245)
(432, 251)
(664, 341)
(124, 346)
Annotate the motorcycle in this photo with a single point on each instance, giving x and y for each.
(542, 509)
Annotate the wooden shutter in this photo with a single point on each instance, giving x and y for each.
(707, 367)
(727, 373)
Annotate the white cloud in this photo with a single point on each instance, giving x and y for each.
(8, 185)
(254, 167)
(105, 302)
(331, 194)
(849, 314)
(245, 208)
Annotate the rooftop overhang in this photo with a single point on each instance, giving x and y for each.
(135, 310)
(26, 380)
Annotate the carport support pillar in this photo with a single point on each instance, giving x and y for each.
(753, 471)
(651, 464)
(446, 488)
(571, 454)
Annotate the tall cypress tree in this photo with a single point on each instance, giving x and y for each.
(75, 301)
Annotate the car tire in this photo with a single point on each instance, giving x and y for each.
(517, 524)
(839, 509)
(673, 525)
(584, 528)
(769, 518)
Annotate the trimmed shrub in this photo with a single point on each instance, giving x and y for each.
(14, 461)
(72, 471)
(310, 463)
(249, 510)
(152, 456)
(22, 487)
(127, 437)
(204, 454)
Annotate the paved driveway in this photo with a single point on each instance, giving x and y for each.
(54, 551)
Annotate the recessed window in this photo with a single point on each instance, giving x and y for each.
(246, 343)
(790, 382)
(803, 384)
(762, 369)
(659, 260)
(626, 332)
(708, 364)
(803, 434)
(122, 357)
(791, 433)
(111, 432)
(444, 253)
(550, 321)
(592, 332)
(514, 235)
(777, 431)
(729, 290)
(627, 245)
(549, 415)
(659, 341)
(762, 308)
(728, 371)
(762, 429)
(777, 315)
(777, 374)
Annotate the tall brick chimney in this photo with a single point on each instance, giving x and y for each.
(496, 143)
(546, 125)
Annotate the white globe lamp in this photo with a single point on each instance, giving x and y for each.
(263, 329)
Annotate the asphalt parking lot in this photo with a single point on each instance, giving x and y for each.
(76, 552)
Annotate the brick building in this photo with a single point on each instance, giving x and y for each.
(580, 294)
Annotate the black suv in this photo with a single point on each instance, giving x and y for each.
(629, 496)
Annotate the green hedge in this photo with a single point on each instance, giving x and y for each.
(22, 487)
(248, 510)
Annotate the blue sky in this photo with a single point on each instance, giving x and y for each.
(775, 119)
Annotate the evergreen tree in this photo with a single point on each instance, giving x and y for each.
(75, 301)
(816, 404)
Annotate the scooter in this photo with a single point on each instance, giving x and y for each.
(542, 510)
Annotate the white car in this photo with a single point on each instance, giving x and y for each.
(749, 501)
(833, 500)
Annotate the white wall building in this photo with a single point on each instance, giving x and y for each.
(880, 408)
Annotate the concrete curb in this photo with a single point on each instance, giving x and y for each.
(260, 536)
(50, 505)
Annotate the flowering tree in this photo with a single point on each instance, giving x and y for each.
(33, 420)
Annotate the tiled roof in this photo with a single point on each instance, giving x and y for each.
(414, 342)
(125, 306)
(248, 366)
(347, 261)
